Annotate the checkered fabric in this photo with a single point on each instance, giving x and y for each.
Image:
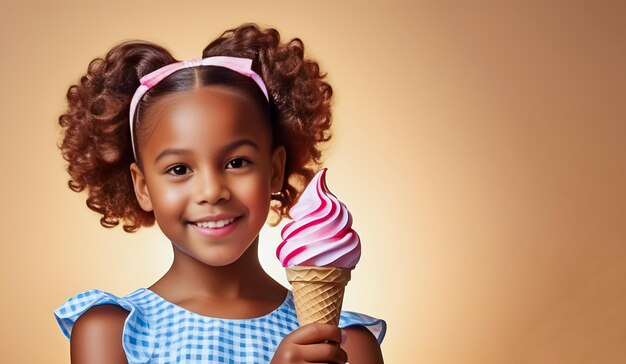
(158, 331)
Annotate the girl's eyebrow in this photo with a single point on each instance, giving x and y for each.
(171, 151)
(233, 145)
(237, 143)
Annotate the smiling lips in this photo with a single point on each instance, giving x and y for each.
(215, 228)
(214, 224)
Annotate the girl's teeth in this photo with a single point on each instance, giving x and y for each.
(215, 224)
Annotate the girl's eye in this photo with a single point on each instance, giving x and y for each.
(237, 163)
(178, 170)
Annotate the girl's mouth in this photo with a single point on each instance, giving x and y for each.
(214, 224)
(217, 228)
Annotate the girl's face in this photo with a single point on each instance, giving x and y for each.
(208, 161)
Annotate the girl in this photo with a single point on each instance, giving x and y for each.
(204, 148)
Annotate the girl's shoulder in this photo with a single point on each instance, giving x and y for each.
(377, 326)
(136, 334)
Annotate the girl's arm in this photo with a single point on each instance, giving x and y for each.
(361, 346)
(97, 336)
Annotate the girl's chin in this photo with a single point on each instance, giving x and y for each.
(223, 260)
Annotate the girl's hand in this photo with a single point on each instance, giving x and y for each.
(312, 343)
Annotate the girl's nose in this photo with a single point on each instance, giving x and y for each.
(211, 187)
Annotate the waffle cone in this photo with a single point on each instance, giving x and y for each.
(318, 292)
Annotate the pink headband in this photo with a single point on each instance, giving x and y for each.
(237, 64)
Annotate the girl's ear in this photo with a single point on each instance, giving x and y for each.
(141, 189)
(278, 168)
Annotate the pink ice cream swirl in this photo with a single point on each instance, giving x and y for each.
(321, 232)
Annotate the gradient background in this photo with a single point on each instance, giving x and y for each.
(480, 148)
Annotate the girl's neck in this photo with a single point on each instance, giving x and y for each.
(245, 278)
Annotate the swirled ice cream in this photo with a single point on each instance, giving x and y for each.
(321, 233)
(319, 251)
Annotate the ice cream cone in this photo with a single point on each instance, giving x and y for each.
(318, 292)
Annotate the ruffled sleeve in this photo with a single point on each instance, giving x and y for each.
(137, 339)
(378, 327)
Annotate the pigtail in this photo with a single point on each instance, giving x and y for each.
(96, 137)
(300, 102)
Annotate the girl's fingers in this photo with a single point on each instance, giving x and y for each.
(324, 353)
(316, 333)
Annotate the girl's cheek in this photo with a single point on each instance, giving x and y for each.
(256, 192)
(168, 196)
(171, 195)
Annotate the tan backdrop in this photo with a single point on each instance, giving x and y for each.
(480, 148)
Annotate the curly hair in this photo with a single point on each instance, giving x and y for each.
(96, 139)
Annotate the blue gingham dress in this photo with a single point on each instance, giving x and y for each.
(158, 331)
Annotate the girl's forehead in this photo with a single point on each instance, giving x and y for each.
(204, 117)
(207, 99)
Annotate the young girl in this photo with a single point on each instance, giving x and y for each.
(204, 148)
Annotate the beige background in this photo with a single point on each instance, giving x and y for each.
(480, 147)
